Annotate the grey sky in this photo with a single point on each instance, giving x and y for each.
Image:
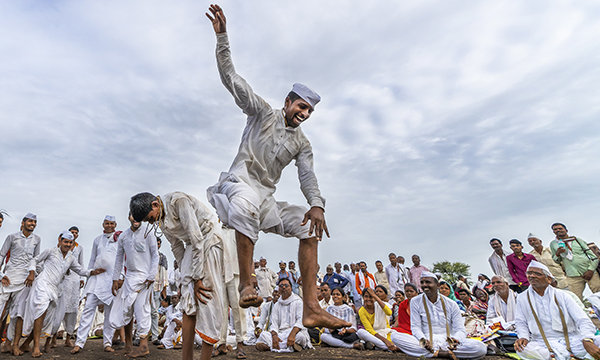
(442, 125)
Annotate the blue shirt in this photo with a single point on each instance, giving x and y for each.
(335, 280)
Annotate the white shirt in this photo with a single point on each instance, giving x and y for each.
(324, 304)
(104, 254)
(268, 146)
(267, 279)
(418, 318)
(493, 310)
(54, 266)
(397, 277)
(22, 251)
(139, 254)
(499, 267)
(287, 314)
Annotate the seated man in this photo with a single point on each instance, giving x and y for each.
(437, 326)
(264, 318)
(286, 330)
(502, 305)
(173, 325)
(549, 322)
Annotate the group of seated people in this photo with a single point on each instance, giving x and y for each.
(548, 322)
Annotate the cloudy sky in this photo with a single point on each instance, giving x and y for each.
(443, 124)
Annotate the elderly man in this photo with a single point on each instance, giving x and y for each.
(137, 250)
(21, 248)
(334, 279)
(416, 270)
(437, 326)
(287, 334)
(498, 262)
(579, 261)
(517, 264)
(543, 254)
(501, 305)
(397, 274)
(549, 322)
(243, 197)
(43, 315)
(266, 278)
(381, 276)
(99, 288)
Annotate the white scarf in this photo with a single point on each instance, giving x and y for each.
(380, 322)
(292, 298)
(510, 306)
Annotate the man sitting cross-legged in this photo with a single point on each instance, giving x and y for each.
(286, 333)
(437, 326)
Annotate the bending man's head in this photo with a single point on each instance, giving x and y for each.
(144, 207)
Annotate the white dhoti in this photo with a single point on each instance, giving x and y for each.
(537, 350)
(132, 299)
(302, 339)
(42, 300)
(16, 304)
(87, 316)
(170, 338)
(467, 349)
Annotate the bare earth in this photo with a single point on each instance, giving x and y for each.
(93, 351)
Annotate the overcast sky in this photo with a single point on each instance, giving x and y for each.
(442, 125)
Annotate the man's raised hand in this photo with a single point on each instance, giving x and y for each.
(317, 222)
(217, 18)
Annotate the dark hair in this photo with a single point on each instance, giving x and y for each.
(382, 288)
(338, 289)
(141, 205)
(460, 291)
(443, 282)
(378, 261)
(412, 286)
(293, 96)
(74, 228)
(390, 254)
(346, 267)
(494, 239)
(515, 241)
(2, 213)
(324, 283)
(284, 279)
(401, 292)
(167, 299)
(561, 224)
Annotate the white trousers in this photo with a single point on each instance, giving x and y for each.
(87, 316)
(170, 336)
(231, 298)
(467, 349)
(365, 336)
(302, 339)
(124, 306)
(537, 350)
(328, 339)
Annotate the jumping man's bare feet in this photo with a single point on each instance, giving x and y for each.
(75, 350)
(316, 317)
(249, 296)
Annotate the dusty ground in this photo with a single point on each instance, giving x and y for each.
(93, 351)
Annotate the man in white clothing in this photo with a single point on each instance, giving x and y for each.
(173, 323)
(287, 334)
(42, 316)
(549, 322)
(397, 275)
(197, 244)
(501, 305)
(498, 262)
(16, 279)
(99, 288)
(437, 326)
(381, 276)
(243, 197)
(138, 251)
(266, 278)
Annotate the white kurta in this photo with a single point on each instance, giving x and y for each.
(267, 147)
(397, 277)
(501, 311)
(44, 292)
(104, 254)
(71, 283)
(499, 267)
(579, 326)
(140, 256)
(267, 280)
(285, 316)
(197, 244)
(467, 348)
(170, 337)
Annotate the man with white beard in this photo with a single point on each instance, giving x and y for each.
(99, 288)
(138, 251)
(549, 322)
(16, 279)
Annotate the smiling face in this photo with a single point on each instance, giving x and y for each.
(416, 260)
(29, 225)
(399, 297)
(445, 289)
(65, 245)
(368, 299)
(282, 266)
(429, 285)
(135, 225)
(496, 245)
(534, 242)
(109, 226)
(410, 292)
(292, 265)
(337, 296)
(560, 231)
(296, 112)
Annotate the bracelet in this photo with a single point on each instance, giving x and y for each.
(588, 340)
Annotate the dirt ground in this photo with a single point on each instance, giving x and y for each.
(93, 351)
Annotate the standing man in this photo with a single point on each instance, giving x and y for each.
(161, 281)
(295, 276)
(137, 249)
(334, 279)
(197, 244)
(266, 278)
(498, 261)
(517, 264)
(543, 254)
(396, 274)
(381, 277)
(364, 279)
(282, 273)
(243, 197)
(579, 261)
(23, 247)
(416, 270)
(98, 290)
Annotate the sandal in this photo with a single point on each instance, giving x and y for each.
(240, 354)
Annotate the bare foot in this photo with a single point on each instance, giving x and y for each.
(317, 317)
(139, 353)
(48, 348)
(68, 342)
(109, 349)
(53, 344)
(126, 350)
(16, 351)
(249, 297)
(36, 353)
(75, 350)
(6, 347)
(262, 347)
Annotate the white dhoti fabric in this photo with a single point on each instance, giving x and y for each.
(302, 339)
(328, 339)
(16, 305)
(467, 349)
(231, 299)
(537, 350)
(170, 338)
(87, 316)
(132, 300)
(42, 299)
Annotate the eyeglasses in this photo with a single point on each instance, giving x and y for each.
(284, 286)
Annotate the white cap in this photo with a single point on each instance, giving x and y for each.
(281, 262)
(532, 236)
(67, 235)
(276, 288)
(307, 94)
(110, 218)
(31, 216)
(262, 258)
(426, 274)
(539, 265)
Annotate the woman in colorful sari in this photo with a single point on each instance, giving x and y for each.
(480, 305)
(446, 290)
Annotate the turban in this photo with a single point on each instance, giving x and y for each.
(110, 218)
(539, 265)
(67, 235)
(31, 216)
(306, 94)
